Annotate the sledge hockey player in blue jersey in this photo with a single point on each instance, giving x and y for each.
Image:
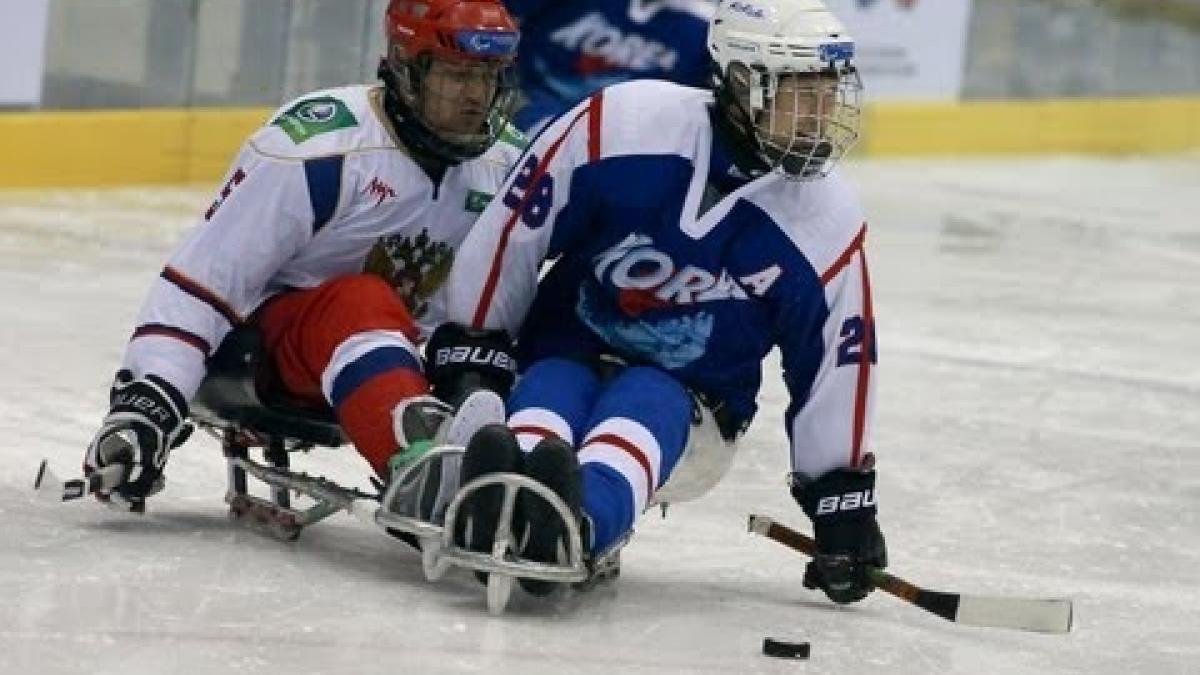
(571, 49)
(691, 231)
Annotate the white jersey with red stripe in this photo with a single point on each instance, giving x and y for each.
(322, 190)
(654, 270)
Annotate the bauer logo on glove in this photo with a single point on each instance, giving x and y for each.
(474, 355)
(850, 501)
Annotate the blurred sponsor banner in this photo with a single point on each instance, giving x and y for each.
(22, 50)
(908, 49)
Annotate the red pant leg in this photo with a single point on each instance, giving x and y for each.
(349, 342)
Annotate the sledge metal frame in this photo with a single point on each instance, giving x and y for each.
(238, 404)
(502, 565)
(279, 517)
(233, 407)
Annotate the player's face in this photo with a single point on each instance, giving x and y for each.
(803, 106)
(458, 94)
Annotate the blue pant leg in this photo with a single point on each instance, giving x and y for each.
(635, 436)
(553, 397)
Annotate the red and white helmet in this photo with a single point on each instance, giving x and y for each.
(419, 32)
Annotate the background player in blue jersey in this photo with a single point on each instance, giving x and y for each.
(693, 230)
(570, 49)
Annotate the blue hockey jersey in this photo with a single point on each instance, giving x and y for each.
(571, 49)
(613, 192)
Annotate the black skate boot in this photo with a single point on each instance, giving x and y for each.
(420, 425)
(415, 422)
(493, 449)
(553, 464)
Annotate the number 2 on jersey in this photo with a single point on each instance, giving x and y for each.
(854, 331)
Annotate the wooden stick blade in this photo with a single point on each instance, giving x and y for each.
(1043, 616)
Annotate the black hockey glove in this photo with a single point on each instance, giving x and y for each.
(461, 360)
(841, 505)
(147, 418)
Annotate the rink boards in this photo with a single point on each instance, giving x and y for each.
(172, 146)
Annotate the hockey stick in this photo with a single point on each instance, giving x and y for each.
(51, 487)
(1044, 616)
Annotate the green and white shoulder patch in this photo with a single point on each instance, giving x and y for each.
(315, 116)
(514, 137)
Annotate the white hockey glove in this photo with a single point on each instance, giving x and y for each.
(147, 418)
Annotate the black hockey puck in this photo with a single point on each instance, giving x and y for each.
(785, 650)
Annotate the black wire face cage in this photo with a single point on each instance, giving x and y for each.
(408, 81)
(801, 122)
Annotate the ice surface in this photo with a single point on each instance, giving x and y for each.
(1038, 436)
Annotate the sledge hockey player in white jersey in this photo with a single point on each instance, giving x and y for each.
(692, 231)
(332, 236)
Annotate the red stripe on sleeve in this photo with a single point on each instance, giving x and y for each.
(493, 278)
(180, 334)
(595, 110)
(846, 256)
(202, 294)
(864, 364)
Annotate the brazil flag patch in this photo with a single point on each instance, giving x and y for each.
(314, 116)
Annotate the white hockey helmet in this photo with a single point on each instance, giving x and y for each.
(785, 83)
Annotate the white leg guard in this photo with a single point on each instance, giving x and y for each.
(478, 410)
(481, 408)
(705, 460)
